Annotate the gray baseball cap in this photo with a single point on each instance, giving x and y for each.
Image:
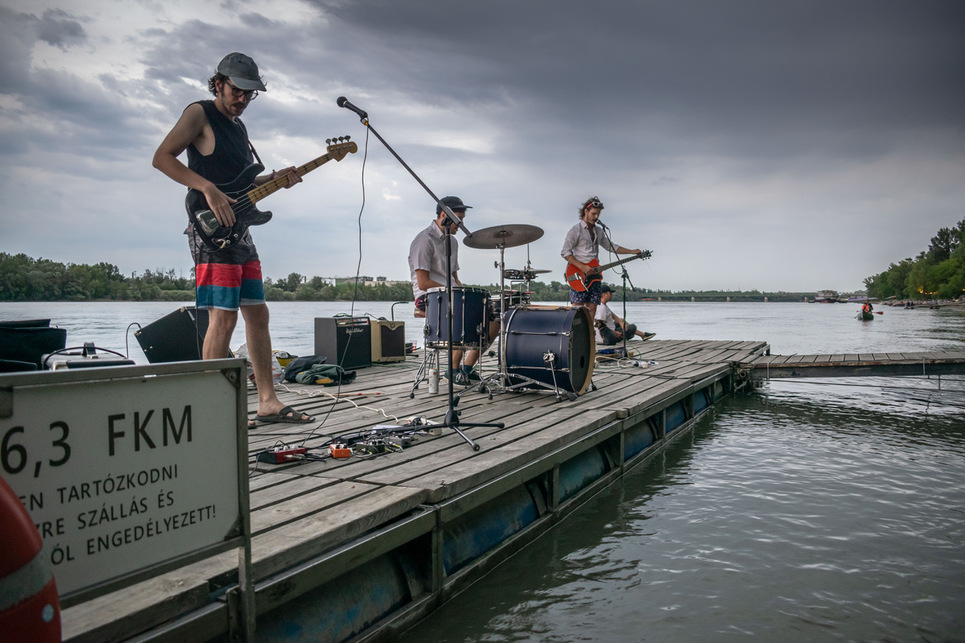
(242, 71)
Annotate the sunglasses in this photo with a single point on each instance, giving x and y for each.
(593, 203)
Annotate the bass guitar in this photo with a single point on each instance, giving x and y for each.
(246, 194)
(580, 282)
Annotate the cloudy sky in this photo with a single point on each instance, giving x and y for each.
(750, 144)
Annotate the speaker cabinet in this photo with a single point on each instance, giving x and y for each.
(25, 342)
(346, 341)
(176, 337)
(388, 341)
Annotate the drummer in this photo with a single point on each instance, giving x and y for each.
(427, 267)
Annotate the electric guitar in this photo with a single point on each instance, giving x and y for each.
(246, 194)
(580, 282)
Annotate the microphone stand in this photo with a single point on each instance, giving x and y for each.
(626, 280)
(452, 415)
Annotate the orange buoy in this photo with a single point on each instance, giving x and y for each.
(29, 603)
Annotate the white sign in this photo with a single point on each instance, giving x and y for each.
(125, 473)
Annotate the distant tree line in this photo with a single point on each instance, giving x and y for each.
(937, 273)
(25, 279)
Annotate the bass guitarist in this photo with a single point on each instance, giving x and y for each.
(228, 278)
(581, 249)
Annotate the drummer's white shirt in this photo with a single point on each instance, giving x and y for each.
(428, 252)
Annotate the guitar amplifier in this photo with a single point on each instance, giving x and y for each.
(345, 341)
(176, 337)
(388, 341)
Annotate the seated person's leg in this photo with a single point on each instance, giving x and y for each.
(610, 337)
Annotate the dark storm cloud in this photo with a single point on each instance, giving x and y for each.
(60, 29)
(754, 78)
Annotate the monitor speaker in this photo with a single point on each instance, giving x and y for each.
(388, 341)
(345, 341)
(176, 337)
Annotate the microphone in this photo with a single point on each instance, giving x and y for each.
(343, 102)
(601, 224)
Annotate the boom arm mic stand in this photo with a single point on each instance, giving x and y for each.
(452, 415)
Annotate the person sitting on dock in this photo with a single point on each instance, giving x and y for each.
(427, 268)
(610, 329)
(230, 278)
(581, 248)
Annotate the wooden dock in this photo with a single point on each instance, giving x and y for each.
(363, 547)
(921, 364)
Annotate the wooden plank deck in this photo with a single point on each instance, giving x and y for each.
(927, 364)
(324, 517)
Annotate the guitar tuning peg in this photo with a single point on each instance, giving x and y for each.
(328, 141)
(348, 138)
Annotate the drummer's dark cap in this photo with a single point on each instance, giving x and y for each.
(604, 288)
(242, 71)
(455, 204)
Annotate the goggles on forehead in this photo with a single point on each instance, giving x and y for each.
(594, 202)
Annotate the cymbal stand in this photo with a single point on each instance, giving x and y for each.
(452, 415)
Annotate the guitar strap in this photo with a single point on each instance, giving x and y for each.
(255, 152)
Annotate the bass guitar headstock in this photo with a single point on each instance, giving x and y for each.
(340, 147)
(645, 254)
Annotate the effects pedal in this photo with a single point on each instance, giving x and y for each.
(282, 454)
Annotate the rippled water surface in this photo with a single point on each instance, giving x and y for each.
(787, 515)
(811, 510)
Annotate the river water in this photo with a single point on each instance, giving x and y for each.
(809, 510)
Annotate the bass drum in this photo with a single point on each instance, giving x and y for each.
(470, 318)
(534, 332)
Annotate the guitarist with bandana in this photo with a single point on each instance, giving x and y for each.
(581, 249)
(228, 278)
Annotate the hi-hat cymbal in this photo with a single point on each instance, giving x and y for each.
(504, 236)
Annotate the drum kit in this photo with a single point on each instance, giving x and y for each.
(548, 347)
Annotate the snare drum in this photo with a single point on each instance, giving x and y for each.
(510, 299)
(470, 318)
(534, 333)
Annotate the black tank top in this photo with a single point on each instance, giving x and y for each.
(232, 153)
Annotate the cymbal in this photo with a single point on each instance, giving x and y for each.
(517, 275)
(505, 236)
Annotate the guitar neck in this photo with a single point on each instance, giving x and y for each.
(270, 187)
(642, 255)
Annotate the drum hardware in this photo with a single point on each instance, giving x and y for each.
(452, 416)
(573, 361)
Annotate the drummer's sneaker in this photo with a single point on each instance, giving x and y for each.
(458, 376)
(470, 374)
